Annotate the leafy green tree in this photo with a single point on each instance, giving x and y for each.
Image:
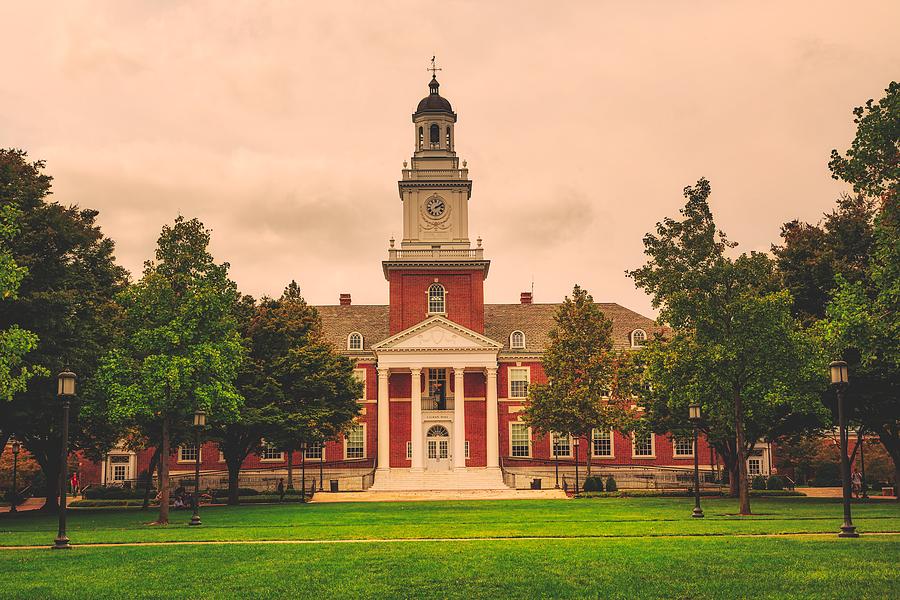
(735, 347)
(318, 394)
(66, 298)
(181, 350)
(583, 370)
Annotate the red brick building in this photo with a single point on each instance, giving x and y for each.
(446, 375)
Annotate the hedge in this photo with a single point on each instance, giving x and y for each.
(109, 502)
(116, 493)
(683, 494)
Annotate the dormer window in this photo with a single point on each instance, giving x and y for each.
(421, 138)
(437, 304)
(355, 341)
(434, 135)
(517, 340)
(638, 338)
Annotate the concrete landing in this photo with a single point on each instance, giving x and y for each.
(434, 495)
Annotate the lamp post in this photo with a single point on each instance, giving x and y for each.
(575, 444)
(321, 465)
(694, 416)
(65, 389)
(555, 442)
(840, 379)
(303, 471)
(14, 498)
(199, 423)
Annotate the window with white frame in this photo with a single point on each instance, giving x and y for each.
(638, 338)
(683, 446)
(517, 340)
(520, 440)
(315, 451)
(561, 445)
(437, 301)
(467, 449)
(355, 445)
(643, 445)
(360, 375)
(408, 450)
(187, 454)
(601, 442)
(518, 382)
(355, 341)
(754, 467)
(270, 452)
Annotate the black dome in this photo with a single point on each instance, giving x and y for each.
(433, 102)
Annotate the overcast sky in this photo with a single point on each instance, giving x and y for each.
(283, 126)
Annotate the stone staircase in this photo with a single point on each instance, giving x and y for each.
(404, 480)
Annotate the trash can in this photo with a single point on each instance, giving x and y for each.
(535, 484)
(334, 484)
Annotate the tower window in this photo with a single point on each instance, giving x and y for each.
(449, 146)
(421, 138)
(434, 135)
(436, 299)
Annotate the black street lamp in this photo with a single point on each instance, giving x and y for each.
(199, 423)
(65, 389)
(14, 497)
(694, 416)
(840, 379)
(575, 444)
(303, 471)
(555, 442)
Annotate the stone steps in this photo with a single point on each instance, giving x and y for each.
(469, 479)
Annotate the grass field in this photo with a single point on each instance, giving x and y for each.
(618, 547)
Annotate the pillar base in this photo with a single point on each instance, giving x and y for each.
(848, 531)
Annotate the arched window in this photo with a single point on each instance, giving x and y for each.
(437, 304)
(421, 138)
(449, 145)
(638, 338)
(517, 340)
(438, 431)
(355, 341)
(434, 136)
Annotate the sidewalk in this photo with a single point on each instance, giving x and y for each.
(836, 492)
(29, 504)
(424, 495)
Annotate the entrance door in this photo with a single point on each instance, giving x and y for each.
(119, 469)
(437, 449)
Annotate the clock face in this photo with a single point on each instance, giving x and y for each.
(435, 207)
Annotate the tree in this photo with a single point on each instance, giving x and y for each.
(181, 350)
(67, 299)
(735, 347)
(318, 394)
(582, 392)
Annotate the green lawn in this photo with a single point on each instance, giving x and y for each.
(613, 557)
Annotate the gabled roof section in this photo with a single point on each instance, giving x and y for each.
(437, 333)
(338, 322)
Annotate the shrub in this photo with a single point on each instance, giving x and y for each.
(115, 493)
(828, 474)
(775, 483)
(611, 484)
(759, 482)
(593, 484)
(223, 492)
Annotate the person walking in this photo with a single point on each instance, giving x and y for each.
(856, 483)
(281, 490)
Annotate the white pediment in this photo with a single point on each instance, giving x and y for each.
(437, 333)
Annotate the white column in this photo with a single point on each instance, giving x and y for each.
(492, 430)
(459, 419)
(418, 458)
(384, 421)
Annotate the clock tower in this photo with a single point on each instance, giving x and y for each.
(435, 250)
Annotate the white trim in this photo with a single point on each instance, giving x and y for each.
(650, 456)
(362, 341)
(530, 440)
(436, 285)
(509, 379)
(408, 450)
(364, 380)
(552, 445)
(264, 447)
(631, 337)
(676, 454)
(190, 460)
(347, 440)
(513, 346)
(612, 445)
(312, 458)
(467, 449)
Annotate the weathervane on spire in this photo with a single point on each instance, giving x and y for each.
(434, 69)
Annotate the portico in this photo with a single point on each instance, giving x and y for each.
(437, 355)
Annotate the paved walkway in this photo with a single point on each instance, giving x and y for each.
(445, 540)
(424, 496)
(29, 504)
(837, 492)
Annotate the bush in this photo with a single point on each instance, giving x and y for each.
(774, 482)
(223, 492)
(593, 484)
(611, 484)
(758, 483)
(105, 503)
(774, 493)
(115, 493)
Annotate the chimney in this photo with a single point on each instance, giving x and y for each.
(525, 298)
(345, 299)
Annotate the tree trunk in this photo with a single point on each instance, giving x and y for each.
(234, 470)
(290, 469)
(51, 471)
(743, 484)
(888, 438)
(154, 461)
(588, 459)
(163, 518)
(4, 437)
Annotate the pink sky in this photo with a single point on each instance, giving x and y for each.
(283, 125)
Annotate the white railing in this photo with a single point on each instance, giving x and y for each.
(435, 253)
(413, 174)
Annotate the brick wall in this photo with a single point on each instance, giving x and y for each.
(476, 413)
(409, 305)
(401, 432)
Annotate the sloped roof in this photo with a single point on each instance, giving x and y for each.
(500, 320)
